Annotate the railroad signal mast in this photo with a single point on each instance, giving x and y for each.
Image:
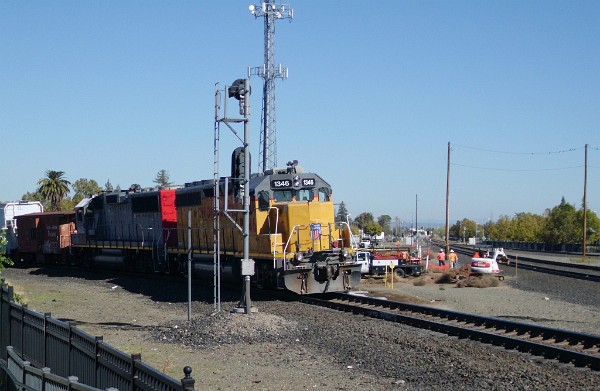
(269, 72)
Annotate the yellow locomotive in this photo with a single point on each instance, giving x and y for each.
(293, 239)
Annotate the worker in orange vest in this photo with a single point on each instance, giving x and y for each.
(441, 257)
(453, 258)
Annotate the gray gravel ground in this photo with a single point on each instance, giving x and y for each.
(292, 346)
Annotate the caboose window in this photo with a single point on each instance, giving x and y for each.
(324, 194)
(282, 195)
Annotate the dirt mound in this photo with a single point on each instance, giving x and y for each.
(226, 328)
(478, 282)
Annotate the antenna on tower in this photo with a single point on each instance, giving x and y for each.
(267, 157)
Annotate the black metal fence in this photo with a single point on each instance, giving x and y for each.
(39, 352)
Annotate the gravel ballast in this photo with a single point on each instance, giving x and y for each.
(287, 345)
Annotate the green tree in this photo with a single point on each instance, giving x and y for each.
(108, 187)
(4, 260)
(341, 213)
(593, 226)
(36, 196)
(528, 227)
(84, 188)
(363, 219)
(54, 187)
(502, 230)
(372, 228)
(385, 223)
(162, 179)
(561, 224)
(464, 228)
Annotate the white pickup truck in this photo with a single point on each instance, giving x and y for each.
(375, 262)
(365, 244)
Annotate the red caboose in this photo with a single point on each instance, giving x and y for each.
(45, 237)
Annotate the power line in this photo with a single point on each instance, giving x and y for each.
(522, 170)
(518, 153)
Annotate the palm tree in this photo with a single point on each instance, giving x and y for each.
(54, 188)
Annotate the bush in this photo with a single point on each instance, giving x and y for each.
(4, 260)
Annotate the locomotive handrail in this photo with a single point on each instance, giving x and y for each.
(351, 236)
(288, 243)
(275, 241)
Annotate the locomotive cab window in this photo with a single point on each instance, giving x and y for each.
(282, 195)
(324, 194)
(263, 200)
(304, 195)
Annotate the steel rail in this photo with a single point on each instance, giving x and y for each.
(557, 272)
(581, 350)
(469, 249)
(533, 266)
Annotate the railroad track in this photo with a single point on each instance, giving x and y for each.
(581, 350)
(565, 269)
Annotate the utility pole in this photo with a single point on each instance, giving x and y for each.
(585, 203)
(268, 136)
(417, 214)
(448, 201)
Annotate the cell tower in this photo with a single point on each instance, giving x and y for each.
(268, 137)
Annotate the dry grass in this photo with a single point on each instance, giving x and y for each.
(453, 275)
(424, 280)
(461, 277)
(478, 282)
(167, 364)
(446, 278)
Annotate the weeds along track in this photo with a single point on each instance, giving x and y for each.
(581, 350)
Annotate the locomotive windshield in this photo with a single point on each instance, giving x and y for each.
(289, 188)
(282, 195)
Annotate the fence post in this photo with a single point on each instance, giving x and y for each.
(22, 325)
(45, 347)
(97, 339)
(72, 379)
(72, 324)
(134, 368)
(23, 379)
(188, 381)
(5, 317)
(45, 372)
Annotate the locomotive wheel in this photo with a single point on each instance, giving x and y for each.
(173, 265)
(87, 259)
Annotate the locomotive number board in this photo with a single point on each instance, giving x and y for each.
(289, 183)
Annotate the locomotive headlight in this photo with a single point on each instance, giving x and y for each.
(344, 255)
(299, 257)
(296, 181)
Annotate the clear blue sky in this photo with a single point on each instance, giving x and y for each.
(118, 90)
